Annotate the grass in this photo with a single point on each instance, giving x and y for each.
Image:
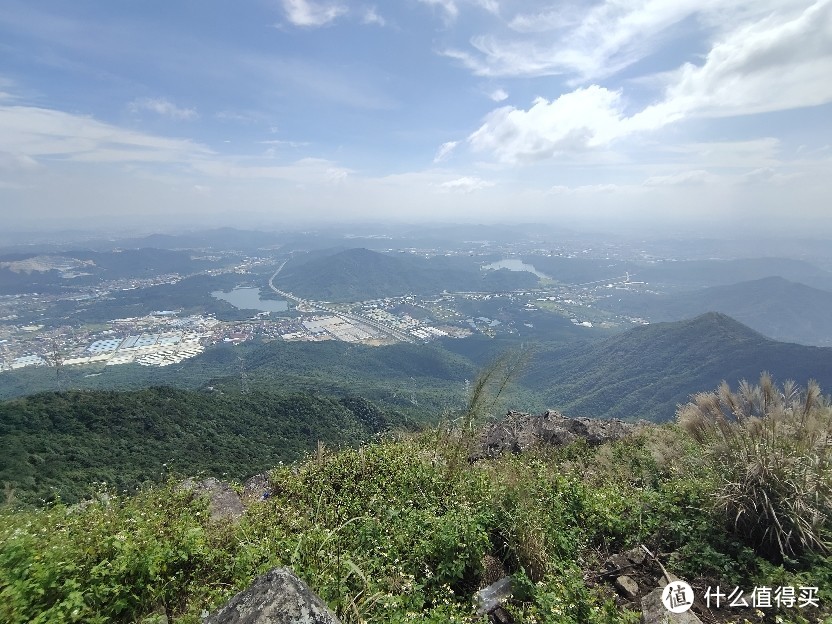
(394, 531)
(772, 447)
(400, 529)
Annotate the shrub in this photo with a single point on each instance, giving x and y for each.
(772, 447)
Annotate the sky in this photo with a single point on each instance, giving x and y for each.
(705, 115)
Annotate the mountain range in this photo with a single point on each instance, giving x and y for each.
(361, 274)
(646, 371)
(779, 308)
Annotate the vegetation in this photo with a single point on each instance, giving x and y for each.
(780, 309)
(644, 372)
(55, 445)
(647, 371)
(393, 531)
(361, 274)
(401, 529)
(772, 447)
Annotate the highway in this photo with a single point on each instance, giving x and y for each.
(356, 318)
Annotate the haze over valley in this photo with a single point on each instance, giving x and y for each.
(246, 307)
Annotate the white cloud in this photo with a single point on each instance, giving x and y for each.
(444, 151)
(283, 143)
(770, 65)
(16, 162)
(553, 18)
(163, 107)
(466, 184)
(591, 41)
(312, 14)
(372, 16)
(43, 133)
(586, 189)
(768, 175)
(448, 7)
(335, 175)
(756, 153)
(311, 172)
(492, 6)
(695, 177)
(499, 95)
(574, 122)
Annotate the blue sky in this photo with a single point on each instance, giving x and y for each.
(701, 114)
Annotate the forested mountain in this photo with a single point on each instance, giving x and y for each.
(57, 444)
(681, 274)
(362, 274)
(776, 307)
(646, 371)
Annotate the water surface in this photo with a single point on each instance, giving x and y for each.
(514, 265)
(249, 299)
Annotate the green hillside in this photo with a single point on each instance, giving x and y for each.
(104, 265)
(57, 444)
(406, 530)
(776, 307)
(646, 371)
(361, 274)
(641, 373)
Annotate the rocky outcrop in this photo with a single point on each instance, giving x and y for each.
(519, 431)
(256, 488)
(640, 581)
(277, 597)
(223, 502)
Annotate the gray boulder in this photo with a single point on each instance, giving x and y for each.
(277, 597)
(256, 488)
(223, 502)
(518, 432)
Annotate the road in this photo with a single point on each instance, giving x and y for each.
(355, 318)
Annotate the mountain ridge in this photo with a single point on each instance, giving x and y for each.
(775, 306)
(646, 371)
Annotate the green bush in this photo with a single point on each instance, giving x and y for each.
(772, 448)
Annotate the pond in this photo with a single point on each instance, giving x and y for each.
(514, 265)
(249, 299)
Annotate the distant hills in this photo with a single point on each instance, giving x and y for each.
(774, 306)
(25, 273)
(361, 274)
(643, 372)
(690, 274)
(681, 274)
(646, 371)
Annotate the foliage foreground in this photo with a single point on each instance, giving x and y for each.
(396, 531)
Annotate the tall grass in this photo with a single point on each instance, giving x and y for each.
(772, 447)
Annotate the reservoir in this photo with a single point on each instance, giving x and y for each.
(514, 265)
(249, 299)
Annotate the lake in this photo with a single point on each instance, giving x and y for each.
(249, 299)
(514, 265)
